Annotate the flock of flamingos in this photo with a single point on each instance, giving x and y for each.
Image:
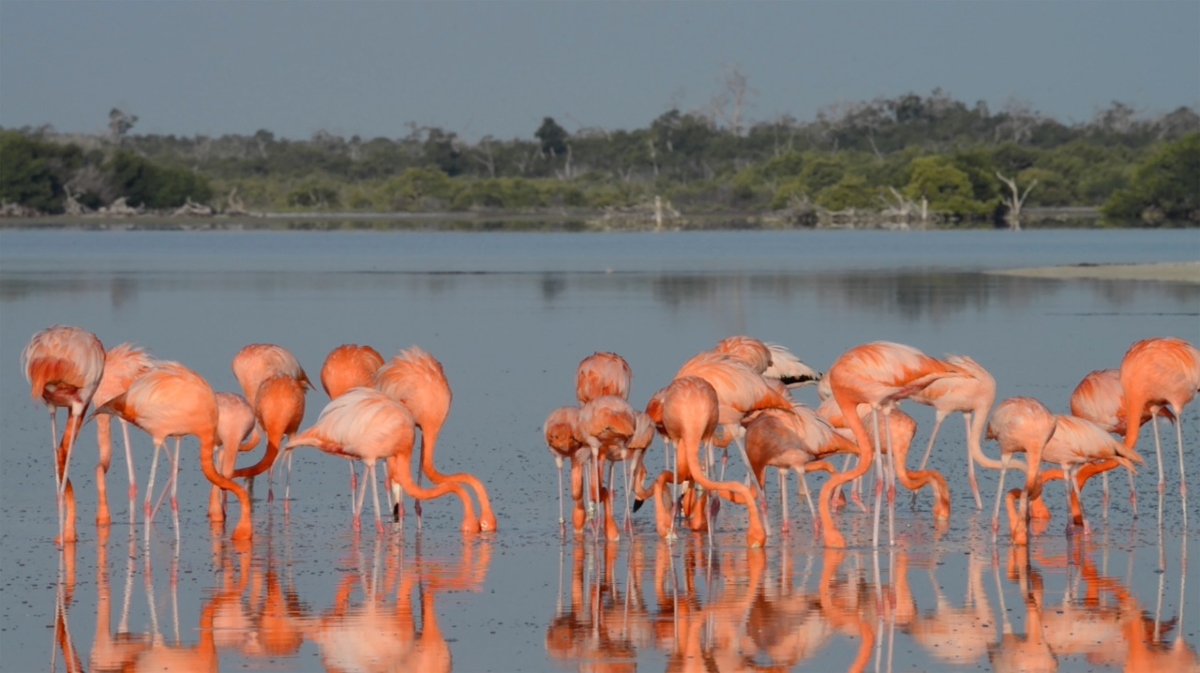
(734, 395)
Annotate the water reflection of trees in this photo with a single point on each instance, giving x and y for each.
(913, 295)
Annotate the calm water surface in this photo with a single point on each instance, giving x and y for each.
(510, 316)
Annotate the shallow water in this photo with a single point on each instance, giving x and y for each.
(510, 316)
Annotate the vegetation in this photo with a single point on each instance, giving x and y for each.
(908, 154)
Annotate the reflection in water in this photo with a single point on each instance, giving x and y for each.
(748, 610)
(909, 295)
(254, 611)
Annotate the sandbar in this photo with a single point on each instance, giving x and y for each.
(1177, 272)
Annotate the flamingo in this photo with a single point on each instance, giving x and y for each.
(236, 433)
(792, 440)
(880, 374)
(559, 431)
(771, 360)
(252, 366)
(1100, 399)
(279, 408)
(1163, 371)
(351, 366)
(690, 410)
(63, 366)
(123, 364)
(416, 380)
(368, 425)
(901, 429)
(601, 374)
(971, 393)
(172, 401)
(1021, 425)
(1077, 441)
(740, 390)
(605, 425)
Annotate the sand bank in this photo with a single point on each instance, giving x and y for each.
(1179, 272)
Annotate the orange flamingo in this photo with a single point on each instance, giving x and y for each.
(690, 414)
(256, 363)
(350, 366)
(901, 429)
(1100, 399)
(559, 431)
(971, 393)
(1077, 441)
(64, 366)
(368, 425)
(252, 366)
(122, 365)
(279, 408)
(771, 360)
(416, 380)
(172, 401)
(601, 374)
(879, 374)
(1021, 425)
(792, 440)
(236, 433)
(605, 425)
(740, 390)
(1164, 371)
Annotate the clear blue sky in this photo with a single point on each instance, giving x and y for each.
(477, 68)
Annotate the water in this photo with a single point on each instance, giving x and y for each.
(510, 316)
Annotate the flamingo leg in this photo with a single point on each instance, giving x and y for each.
(562, 520)
(1182, 476)
(132, 477)
(375, 497)
(58, 495)
(287, 484)
(891, 482)
(937, 423)
(878, 478)
(784, 524)
(805, 491)
(174, 488)
(1004, 459)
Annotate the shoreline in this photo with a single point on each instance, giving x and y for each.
(1175, 272)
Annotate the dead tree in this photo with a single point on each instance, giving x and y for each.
(1014, 202)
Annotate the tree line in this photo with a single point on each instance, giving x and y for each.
(964, 164)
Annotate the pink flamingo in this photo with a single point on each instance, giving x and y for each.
(64, 366)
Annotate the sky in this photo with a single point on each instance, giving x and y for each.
(353, 67)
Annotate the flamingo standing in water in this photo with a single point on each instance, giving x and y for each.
(879, 374)
(64, 366)
(795, 440)
(416, 380)
(689, 415)
(172, 401)
(1077, 441)
(279, 408)
(351, 366)
(559, 431)
(236, 433)
(368, 425)
(123, 364)
(1163, 371)
(1100, 399)
(1021, 425)
(606, 425)
(971, 393)
(252, 366)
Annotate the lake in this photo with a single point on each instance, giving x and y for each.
(510, 316)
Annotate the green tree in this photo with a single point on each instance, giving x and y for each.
(947, 188)
(1165, 186)
(553, 137)
(26, 176)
